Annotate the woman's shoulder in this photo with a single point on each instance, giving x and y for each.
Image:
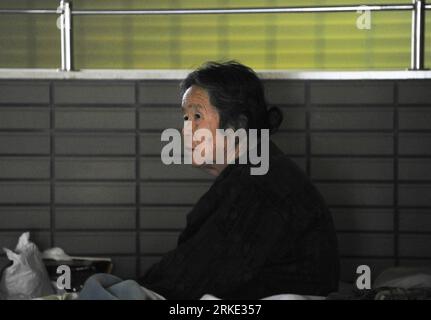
(284, 177)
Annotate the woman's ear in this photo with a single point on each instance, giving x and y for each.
(242, 122)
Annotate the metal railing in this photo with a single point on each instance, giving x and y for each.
(417, 7)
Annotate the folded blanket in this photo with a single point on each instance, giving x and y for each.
(103, 286)
(396, 283)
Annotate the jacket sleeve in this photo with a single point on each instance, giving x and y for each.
(225, 253)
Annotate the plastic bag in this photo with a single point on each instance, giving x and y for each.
(27, 277)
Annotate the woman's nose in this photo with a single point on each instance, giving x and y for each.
(188, 128)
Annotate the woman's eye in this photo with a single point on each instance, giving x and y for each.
(185, 118)
(197, 116)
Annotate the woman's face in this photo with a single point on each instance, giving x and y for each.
(197, 108)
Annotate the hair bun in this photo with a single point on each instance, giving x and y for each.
(275, 117)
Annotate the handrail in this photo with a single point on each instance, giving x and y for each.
(325, 9)
(417, 7)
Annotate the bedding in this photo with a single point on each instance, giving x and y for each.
(104, 286)
(397, 283)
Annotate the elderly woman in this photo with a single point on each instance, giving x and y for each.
(249, 236)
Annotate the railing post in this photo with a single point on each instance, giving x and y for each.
(418, 38)
(66, 35)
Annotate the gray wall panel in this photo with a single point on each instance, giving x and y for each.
(363, 219)
(24, 218)
(366, 244)
(24, 192)
(160, 118)
(293, 119)
(290, 143)
(95, 218)
(415, 195)
(415, 92)
(95, 193)
(184, 193)
(95, 118)
(24, 118)
(415, 144)
(279, 92)
(416, 263)
(351, 92)
(352, 169)
(24, 143)
(414, 118)
(415, 220)
(151, 145)
(22, 167)
(414, 169)
(370, 118)
(352, 143)
(93, 93)
(415, 246)
(160, 92)
(75, 243)
(90, 168)
(120, 143)
(357, 194)
(24, 92)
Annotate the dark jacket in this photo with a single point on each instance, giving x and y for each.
(250, 237)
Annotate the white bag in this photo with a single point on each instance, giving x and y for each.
(27, 277)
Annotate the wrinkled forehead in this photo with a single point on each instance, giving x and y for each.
(195, 98)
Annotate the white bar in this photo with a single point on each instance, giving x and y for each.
(179, 74)
(66, 37)
(417, 36)
(348, 8)
(24, 11)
